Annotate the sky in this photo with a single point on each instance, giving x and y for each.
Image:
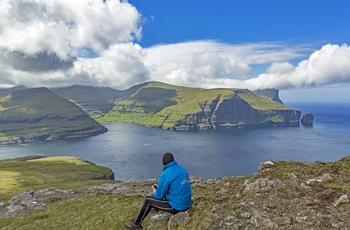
(300, 47)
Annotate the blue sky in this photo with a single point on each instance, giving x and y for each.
(245, 21)
(293, 22)
(299, 47)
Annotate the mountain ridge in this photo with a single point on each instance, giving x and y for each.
(39, 114)
(153, 104)
(157, 104)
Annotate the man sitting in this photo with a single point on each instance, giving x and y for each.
(172, 193)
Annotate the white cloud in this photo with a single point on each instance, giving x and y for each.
(280, 68)
(213, 64)
(61, 27)
(40, 39)
(122, 65)
(327, 66)
(210, 64)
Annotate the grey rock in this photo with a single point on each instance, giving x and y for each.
(262, 184)
(342, 199)
(265, 166)
(23, 202)
(324, 178)
(268, 224)
(179, 218)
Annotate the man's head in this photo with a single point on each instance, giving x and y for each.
(167, 158)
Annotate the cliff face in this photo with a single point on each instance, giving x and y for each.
(39, 114)
(269, 93)
(236, 112)
(183, 108)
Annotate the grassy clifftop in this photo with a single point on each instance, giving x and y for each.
(281, 195)
(34, 173)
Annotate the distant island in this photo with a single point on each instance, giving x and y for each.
(31, 114)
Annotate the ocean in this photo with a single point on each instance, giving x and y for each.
(134, 152)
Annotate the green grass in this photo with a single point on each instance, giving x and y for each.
(213, 201)
(109, 211)
(63, 172)
(90, 212)
(39, 111)
(261, 103)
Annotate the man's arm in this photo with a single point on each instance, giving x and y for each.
(162, 188)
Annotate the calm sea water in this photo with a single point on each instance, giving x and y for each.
(134, 152)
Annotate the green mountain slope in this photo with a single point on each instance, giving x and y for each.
(39, 114)
(93, 100)
(182, 108)
(9, 90)
(96, 101)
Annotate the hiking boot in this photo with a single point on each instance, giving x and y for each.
(131, 225)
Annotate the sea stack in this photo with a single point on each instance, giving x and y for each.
(307, 119)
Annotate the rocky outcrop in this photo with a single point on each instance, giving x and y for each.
(307, 119)
(22, 203)
(54, 136)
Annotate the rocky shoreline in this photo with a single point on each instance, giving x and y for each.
(55, 136)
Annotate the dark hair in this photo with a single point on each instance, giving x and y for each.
(167, 158)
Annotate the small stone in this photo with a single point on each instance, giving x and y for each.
(291, 175)
(342, 199)
(268, 224)
(324, 178)
(300, 219)
(246, 182)
(335, 225)
(265, 166)
(254, 221)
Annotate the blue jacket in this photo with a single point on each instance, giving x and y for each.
(174, 185)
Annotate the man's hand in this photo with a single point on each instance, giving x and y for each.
(154, 188)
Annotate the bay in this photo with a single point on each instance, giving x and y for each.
(134, 152)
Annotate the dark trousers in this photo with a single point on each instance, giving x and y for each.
(150, 202)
